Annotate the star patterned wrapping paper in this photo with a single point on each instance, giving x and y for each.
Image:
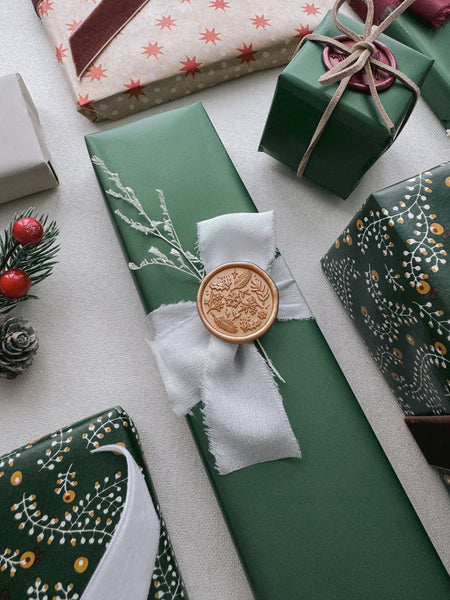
(60, 506)
(390, 270)
(172, 49)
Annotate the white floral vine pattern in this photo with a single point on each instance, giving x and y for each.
(166, 576)
(87, 523)
(340, 273)
(9, 560)
(414, 206)
(386, 357)
(59, 445)
(66, 483)
(39, 590)
(400, 240)
(103, 426)
(433, 318)
(421, 387)
(73, 520)
(394, 315)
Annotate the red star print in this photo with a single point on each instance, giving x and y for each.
(210, 35)
(247, 54)
(304, 30)
(190, 66)
(188, 1)
(45, 7)
(167, 22)
(61, 53)
(85, 101)
(96, 73)
(71, 27)
(135, 89)
(310, 9)
(260, 22)
(152, 50)
(216, 4)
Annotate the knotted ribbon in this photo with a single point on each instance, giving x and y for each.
(359, 56)
(242, 407)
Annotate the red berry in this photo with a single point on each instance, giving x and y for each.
(14, 283)
(27, 231)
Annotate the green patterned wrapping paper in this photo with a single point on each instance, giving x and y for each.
(60, 505)
(434, 43)
(355, 136)
(389, 268)
(336, 524)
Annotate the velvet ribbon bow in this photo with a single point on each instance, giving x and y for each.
(242, 407)
(360, 56)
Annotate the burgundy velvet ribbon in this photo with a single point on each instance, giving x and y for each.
(433, 437)
(98, 29)
(437, 12)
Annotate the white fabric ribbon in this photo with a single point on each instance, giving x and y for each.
(126, 568)
(243, 410)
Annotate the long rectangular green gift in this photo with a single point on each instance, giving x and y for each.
(355, 135)
(435, 43)
(79, 518)
(389, 268)
(335, 523)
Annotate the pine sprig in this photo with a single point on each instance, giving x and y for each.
(36, 260)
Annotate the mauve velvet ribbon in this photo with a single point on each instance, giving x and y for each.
(98, 29)
(437, 12)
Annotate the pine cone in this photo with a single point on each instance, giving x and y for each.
(18, 346)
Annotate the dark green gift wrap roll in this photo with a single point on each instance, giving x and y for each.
(355, 136)
(390, 270)
(336, 523)
(434, 43)
(61, 505)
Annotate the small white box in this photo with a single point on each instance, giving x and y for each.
(25, 166)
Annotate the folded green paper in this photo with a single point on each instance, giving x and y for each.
(355, 136)
(61, 506)
(389, 268)
(434, 43)
(335, 524)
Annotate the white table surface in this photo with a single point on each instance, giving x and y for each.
(91, 324)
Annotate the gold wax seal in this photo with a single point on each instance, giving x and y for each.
(237, 302)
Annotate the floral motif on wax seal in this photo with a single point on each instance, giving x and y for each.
(383, 80)
(237, 302)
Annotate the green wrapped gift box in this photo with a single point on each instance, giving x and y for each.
(336, 523)
(355, 136)
(434, 43)
(63, 509)
(389, 268)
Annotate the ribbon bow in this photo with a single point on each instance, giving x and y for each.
(359, 56)
(243, 410)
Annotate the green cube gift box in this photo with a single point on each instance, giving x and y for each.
(389, 268)
(336, 523)
(79, 522)
(355, 136)
(434, 43)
